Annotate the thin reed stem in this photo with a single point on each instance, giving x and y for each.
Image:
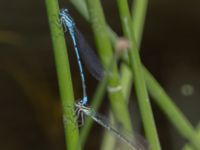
(64, 76)
(95, 104)
(189, 146)
(140, 86)
(171, 110)
(161, 98)
(139, 9)
(105, 51)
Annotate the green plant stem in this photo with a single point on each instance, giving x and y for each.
(140, 86)
(64, 77)
(96, 101)
(108, 141)
(139, 9)
(173, 113)
(105, 51)
(81, 6)
(185, 130)
(189, 146)
(138, 14)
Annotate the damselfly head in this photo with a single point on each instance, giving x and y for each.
(63, 11)
(65, 18)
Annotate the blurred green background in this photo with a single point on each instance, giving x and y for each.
(30, 115)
